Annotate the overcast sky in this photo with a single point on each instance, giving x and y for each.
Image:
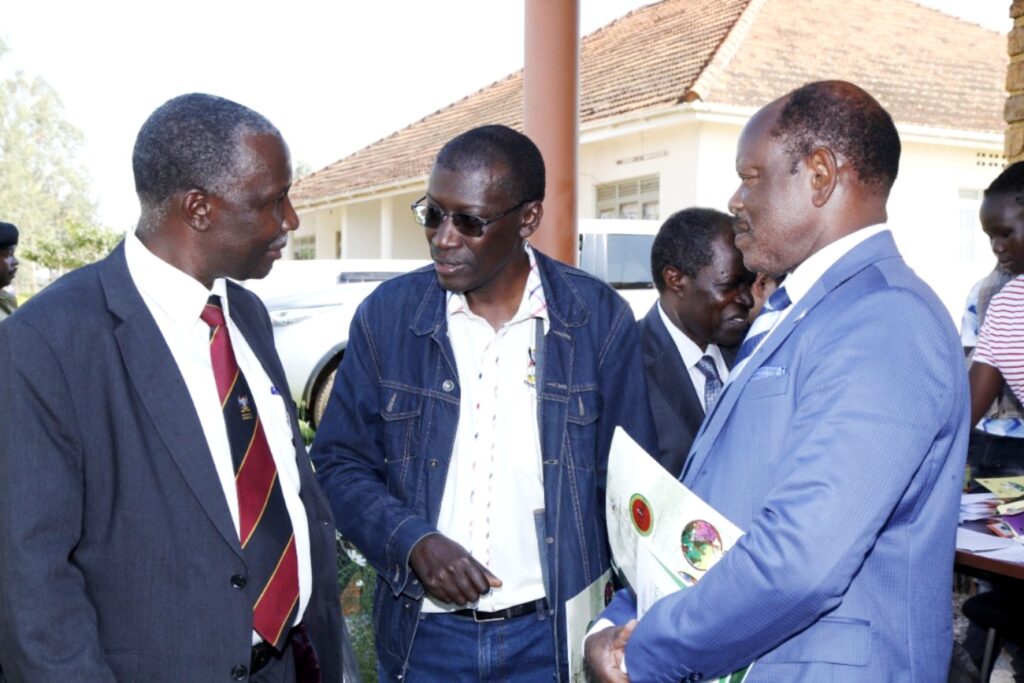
(333, 75)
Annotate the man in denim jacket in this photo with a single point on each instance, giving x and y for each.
(465, 446)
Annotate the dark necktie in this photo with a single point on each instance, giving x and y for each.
(712, 382)
(265, 528)
(777, 303)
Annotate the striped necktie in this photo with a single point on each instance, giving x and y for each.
(771, 313)
(265, 528)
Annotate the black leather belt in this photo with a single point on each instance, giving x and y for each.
(507, 613)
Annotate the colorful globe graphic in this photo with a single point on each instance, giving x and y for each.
(701, 544)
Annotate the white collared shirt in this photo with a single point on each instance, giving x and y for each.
(175, 300)
(495, 478)
(691, 355)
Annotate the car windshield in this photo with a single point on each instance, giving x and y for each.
(625, 262)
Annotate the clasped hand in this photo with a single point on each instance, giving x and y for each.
(605, 651)
(448, 572)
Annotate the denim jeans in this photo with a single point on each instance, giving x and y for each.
(455, 648)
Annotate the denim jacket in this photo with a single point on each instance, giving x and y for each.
(384, 444)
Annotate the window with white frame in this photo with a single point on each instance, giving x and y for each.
(305, 248)
(632, 198)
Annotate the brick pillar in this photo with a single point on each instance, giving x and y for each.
(1014, 112)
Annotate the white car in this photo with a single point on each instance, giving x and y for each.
(311, 324)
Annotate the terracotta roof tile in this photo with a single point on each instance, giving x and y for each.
(925, 67)
(735, 52)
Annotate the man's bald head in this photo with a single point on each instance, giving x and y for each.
(847, 120)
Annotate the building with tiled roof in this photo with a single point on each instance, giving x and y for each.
(664, 93)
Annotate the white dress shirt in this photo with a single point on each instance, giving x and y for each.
(175, 301)
(691, 355)
(495, 481)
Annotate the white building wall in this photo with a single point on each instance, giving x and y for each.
(327, 226)
(363, 230)
(717, 180)
(408, 240)
(937, 232)
(667, 151)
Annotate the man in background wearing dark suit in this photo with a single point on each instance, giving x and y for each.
(8, 267)
(159, 517)
(690, 334)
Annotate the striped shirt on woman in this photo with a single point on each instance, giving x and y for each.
(1001, 340)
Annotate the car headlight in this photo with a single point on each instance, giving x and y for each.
(290, 316)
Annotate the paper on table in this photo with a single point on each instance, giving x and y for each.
(981, 497)
(977, 542)
(975, 506)
(1006, 488)
(1012, 553)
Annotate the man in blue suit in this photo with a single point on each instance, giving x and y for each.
(127, 475)
(838, 444)
(690, 335)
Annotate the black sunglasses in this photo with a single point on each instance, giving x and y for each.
(467, 224)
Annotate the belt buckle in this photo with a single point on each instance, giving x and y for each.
(485, 620)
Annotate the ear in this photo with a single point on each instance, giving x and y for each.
(196, 209)
(675, 280)
(824, 168)
(532, 213)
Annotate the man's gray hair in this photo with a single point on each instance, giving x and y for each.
(192, 142)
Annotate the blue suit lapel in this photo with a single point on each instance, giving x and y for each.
(864, 254)
(163, 394)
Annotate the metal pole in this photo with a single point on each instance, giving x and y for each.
(550, 116)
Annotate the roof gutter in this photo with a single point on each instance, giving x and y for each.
(736, 115)
(378, 191)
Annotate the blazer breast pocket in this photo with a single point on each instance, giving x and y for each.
(767, 381)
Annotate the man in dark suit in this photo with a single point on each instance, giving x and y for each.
(690, 334)
(159, 517)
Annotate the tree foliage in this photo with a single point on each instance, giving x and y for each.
(44, 189)
(71, 246)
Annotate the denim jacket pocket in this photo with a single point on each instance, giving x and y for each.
(401, 415)
(582, 412)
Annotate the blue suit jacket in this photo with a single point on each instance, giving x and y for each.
(675, 405)
(839, 449)
(120, 560)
